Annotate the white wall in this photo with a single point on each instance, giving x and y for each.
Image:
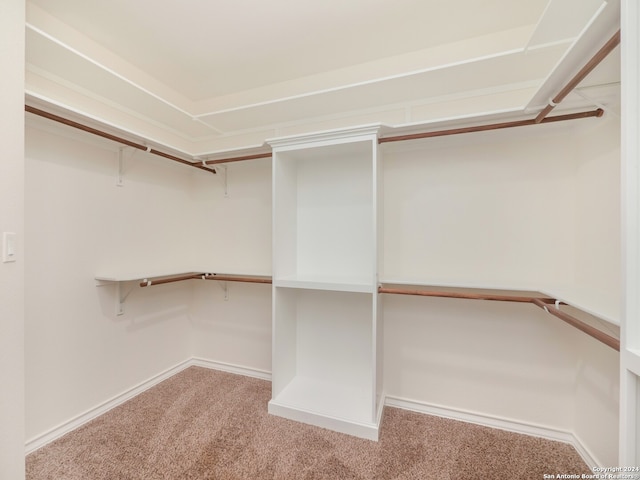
(79, 354)
(504, 360)
(494, 208)
(234, 231)
(535, 208)
(507, 208)
(11, 220)
(597, 237)
(596, 398)
(598, 269)
(235, 237)
(235, 331)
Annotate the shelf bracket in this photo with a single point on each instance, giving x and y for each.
(121, 159)
(223, 170)
(224, 284)
(120, 298)
(225, 288)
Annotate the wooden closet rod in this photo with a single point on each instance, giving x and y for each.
(547, 304)
(600, 55)
(441, 133)
(238, 159)
(205, 276)
(469, 296)
(438, 133)
(177, 278)
(236, 278)
(493, 126)
(579, 324)
(109, 136)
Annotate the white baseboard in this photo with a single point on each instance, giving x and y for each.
(231, 368)
(41, 440)
(407, 404)
(495, 422)
(585, 453)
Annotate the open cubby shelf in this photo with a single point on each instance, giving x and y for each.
(326, 316)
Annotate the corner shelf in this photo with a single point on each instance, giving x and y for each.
(133, 276)
(574, 314)
(121, 279)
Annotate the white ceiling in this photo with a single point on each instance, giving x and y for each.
(208, 48)
(214, 74)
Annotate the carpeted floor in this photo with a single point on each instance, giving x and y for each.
(205, 424)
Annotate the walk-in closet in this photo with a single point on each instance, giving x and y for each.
(439, 219)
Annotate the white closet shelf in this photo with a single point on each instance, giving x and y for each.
(120, 278)
(597, 303)
(137, 276)
(465, 290)
(159, 278)
(338, 284)
(343, 408)
(584, 319)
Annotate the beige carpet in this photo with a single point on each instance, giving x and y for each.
(204, 424)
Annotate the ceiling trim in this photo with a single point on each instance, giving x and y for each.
(495, 76)
(311, 93)
(363, 83)
(109, 70)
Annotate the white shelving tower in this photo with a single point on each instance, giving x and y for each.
(327, 338)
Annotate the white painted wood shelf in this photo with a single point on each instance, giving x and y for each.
(137, 276)
(120, 279)
(326, 311)
(338, 284)
(343, 408)
(575, 314)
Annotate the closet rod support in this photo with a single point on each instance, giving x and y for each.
(119, 179)
(121, 165)
(225, 289)
(225, 178)
(120, 298)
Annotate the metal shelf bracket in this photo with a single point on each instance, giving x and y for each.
(120, 298)
(121, 164)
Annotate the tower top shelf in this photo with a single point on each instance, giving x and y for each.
(335, 137)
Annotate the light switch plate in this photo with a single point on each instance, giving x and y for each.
(8, 247)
